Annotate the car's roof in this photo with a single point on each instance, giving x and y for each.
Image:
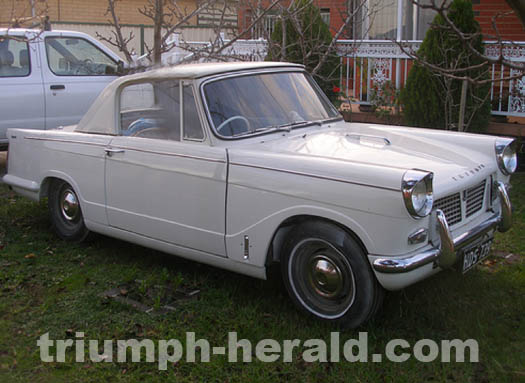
(189, 71)
(30, 33)
(103, 109)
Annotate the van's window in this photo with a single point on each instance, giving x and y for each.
(14, 58)
(151, 110)
(75, 56)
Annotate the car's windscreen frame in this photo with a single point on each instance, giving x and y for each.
(323, 99)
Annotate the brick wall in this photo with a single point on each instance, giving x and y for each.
(509, 26)
(93, 11)
(337, 13)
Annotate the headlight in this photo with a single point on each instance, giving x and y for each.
(506, 155)
(417, 192)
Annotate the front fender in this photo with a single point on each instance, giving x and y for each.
(261, 233)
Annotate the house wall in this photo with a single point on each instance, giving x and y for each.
(89, 16)
(83, 11)
(94, 11)
(509, 26)
(337, 13)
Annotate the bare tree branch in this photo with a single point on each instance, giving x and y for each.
(120, 41)
(349, 19)
(467, 40)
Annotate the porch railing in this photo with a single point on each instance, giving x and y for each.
(367, 65)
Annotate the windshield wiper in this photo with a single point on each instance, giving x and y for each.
(283, 127)
(289, 126)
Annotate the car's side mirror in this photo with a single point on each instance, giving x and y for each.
(120, 68)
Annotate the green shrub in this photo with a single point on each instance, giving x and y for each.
(308, 48)
(432, 100)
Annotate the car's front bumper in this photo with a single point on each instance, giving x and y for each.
(446, 254)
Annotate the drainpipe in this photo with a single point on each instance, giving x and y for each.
(398, 39)
(142, 39)
(33, 13)
(415, 18)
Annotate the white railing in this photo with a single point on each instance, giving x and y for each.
(368, 64)
(507, 97)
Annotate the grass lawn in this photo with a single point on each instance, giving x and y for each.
(47, 285)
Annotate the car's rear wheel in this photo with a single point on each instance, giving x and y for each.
(327, 274)
(65, 212)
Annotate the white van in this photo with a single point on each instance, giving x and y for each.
(50, 78)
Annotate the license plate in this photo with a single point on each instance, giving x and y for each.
(475, 254)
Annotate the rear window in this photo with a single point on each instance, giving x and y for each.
(14, 57)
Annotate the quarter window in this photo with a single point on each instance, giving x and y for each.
(192, 124)
(14, 58)
(151, 110)
(74, 56)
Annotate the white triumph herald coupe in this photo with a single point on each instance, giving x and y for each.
(241, 165)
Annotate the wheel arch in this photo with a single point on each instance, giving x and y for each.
(45, 185)
(50, 178)
(274, 249)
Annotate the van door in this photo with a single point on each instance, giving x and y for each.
(75, 73)
(22, 94)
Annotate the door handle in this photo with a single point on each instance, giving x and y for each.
(111, 151)
(57, 87)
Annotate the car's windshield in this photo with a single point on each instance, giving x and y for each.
(248, 104)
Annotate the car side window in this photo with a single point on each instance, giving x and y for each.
(75, 56)
(192, 124)
(14, 58)
(151, 110)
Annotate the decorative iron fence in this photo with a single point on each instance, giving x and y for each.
(367, 65)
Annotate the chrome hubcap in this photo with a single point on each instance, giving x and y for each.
(69, 205)
(321, 278)
(325, 277)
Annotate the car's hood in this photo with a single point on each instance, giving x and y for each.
(464, 158)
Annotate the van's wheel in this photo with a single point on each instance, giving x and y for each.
(66, 215)
(327, 275)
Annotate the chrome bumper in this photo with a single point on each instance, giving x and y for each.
(445, 255)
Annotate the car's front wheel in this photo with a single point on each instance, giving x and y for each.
(327, 274)
(65, 212)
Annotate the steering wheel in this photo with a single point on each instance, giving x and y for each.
(233, 118)
(84, 64)
(294, 116)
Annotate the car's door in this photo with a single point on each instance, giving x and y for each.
(21, 95)
(75, 72)
(162, 181)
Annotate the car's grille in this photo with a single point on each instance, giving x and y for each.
(451, 207)
(474, 198)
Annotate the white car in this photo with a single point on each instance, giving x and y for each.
(240, 165)
(50, 78)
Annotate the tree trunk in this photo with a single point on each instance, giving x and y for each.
(157, 32)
